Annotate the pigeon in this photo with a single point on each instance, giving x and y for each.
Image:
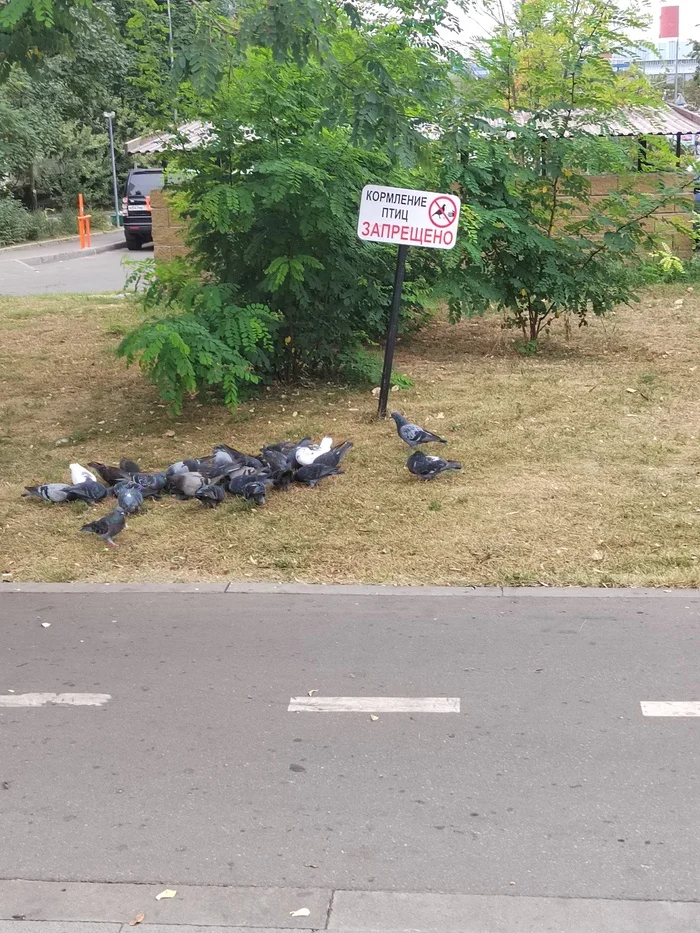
(179, 467)
(333, 456)
(412, 434)
(109, 526)
(110, 475)
(277, 459)
(147, 492)
(185, 485)
(51, 492)
(88, 491)
(281, 466)
(426, 467)
(251, 487)
(154, 481)
(306, 454)
(129, 466)
(210, 495)
(78, 474)
(129, 497)
(288, 447)
(239, 458)
(315, 472)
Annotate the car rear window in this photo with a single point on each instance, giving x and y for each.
(143, 183)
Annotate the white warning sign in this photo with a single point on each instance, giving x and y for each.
(408, 217)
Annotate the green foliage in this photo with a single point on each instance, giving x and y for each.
(17, 224)
(542, 249)
(203, 341)
(15, 221)
(364, 367)
(556, 54)
(274, 214)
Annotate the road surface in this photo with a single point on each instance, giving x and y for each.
(549, 782)
(105, 272)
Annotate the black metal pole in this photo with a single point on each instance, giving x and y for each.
(678, 149)
(392, 330)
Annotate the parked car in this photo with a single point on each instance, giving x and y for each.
(136, 205)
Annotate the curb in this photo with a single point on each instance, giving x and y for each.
(320, 590)
(61, 257)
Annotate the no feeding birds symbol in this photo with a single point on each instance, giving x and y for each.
(442, 211)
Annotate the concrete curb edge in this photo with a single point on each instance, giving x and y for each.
(314, 590)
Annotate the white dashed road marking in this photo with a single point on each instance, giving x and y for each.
(54, 699)
(373, 705)
(666, 708)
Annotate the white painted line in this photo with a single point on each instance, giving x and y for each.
(54, 699)
(666, 708)
(373, 705)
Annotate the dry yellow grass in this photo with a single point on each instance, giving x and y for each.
(580, 465)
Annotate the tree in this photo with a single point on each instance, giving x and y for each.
(556, 54)
(333, 102)
(540, 248)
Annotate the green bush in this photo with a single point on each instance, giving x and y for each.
(15, 221)
(198, 338)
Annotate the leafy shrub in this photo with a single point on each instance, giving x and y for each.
(203, 341)
(15, 221)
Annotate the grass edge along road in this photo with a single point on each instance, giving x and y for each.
(580, 465)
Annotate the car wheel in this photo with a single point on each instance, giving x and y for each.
(133, 242)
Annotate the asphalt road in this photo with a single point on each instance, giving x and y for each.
(549, 781)
(104, 272)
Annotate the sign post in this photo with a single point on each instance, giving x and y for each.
(407, 218)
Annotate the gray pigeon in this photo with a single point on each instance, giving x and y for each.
(251, 487)
(426, 467)
(89, 491)
(109, 526)
(129, 466)
(130, 498)
(333, 456)
(185, 485)
(51, 492)
(413, 434)
(312, 474)
(210, 495)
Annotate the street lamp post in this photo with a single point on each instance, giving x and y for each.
(110, 114)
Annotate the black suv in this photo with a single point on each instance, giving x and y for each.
(136, 205)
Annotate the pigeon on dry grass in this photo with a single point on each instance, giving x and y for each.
(412, 434)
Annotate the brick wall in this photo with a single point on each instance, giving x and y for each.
(168, 228)
(680, 243)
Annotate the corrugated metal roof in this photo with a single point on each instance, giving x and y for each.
(663, 120)
(657, 121)
(190, 135)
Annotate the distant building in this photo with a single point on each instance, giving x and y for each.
(660, 61)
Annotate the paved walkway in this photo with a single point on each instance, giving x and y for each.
(380, 759)
(58, 907)
(61, 267)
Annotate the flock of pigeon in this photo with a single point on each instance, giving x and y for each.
(208, 478)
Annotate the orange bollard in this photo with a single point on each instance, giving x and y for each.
(83, 224)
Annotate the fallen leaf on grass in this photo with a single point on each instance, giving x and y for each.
(139, 918)
(169, 434)
(302, 912)
(167, 893)
(373, 717)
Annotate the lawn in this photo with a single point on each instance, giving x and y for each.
(581, 465)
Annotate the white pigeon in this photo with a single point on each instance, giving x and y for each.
(305, 456)
(79, 474)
